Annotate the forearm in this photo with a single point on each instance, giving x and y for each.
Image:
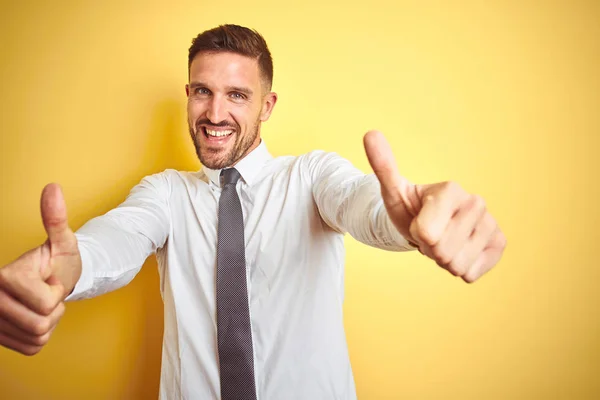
(367, 220)
(114, 246)
(350, 201)
(111, 257)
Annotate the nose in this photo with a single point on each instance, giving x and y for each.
(217, 110)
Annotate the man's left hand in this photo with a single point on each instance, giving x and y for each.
(449, 225)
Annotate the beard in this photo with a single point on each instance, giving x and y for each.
(218, 157)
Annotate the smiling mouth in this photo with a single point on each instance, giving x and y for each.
(211, 133)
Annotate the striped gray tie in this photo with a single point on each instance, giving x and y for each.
(233, 317)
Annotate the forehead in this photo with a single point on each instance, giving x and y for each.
(224, 68)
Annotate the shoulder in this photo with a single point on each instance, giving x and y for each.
(319, 161)
(166, 180)
(310, 167)
(311, 159)
(171, 175)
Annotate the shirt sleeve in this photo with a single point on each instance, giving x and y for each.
(350, 201)
(114, 246)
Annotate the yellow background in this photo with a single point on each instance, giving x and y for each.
(503, 97)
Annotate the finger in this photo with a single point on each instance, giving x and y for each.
(437, 211)
(24, 337)
(25, 319)
(32, 291)
(488, 258)
(458, 236)
(394, 187)
(13, 344)
(427, 251)
(54, 215)
(477, 243)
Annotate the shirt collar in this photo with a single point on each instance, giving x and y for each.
(248, 167)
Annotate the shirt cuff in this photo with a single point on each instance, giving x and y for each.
(86, 280)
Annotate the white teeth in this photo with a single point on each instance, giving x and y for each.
(217, 133)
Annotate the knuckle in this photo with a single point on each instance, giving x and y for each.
(469, 277)
(442, 255)
(54, 222)
(473, 274)
(457, 269)
(423, 233)
(428, 236)
(487, 228)
(46, 306)
(463, 259)
(479, 202)
(41, 327)
(452, 187)
(60, 309)
(489, 222)
(453, 270)
(41, 340)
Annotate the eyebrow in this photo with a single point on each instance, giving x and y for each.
(248, 92)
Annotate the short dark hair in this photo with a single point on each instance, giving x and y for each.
(235, 39)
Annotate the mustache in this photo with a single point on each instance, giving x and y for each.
(223, 124)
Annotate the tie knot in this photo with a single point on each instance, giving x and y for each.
(229, 176)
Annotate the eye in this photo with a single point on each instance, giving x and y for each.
(238, 95)
(201, 90)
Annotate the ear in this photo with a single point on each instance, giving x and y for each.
(187, 90)
(268, 104)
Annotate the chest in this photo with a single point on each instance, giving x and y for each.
(287, 245)
(279, 215)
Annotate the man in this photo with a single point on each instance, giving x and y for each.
(250, 248)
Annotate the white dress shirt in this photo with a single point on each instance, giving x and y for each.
(296, 212)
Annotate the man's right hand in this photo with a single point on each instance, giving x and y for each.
(33, 287)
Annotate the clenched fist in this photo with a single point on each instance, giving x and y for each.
(33, 287)
(448, 225)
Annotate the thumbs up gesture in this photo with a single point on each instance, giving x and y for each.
(33, 287)
(449, 225)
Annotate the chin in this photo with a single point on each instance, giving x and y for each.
(213, 161)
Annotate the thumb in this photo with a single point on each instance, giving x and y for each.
(395, 189)
(54, 215)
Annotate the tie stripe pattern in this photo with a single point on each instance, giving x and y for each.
(233, 317)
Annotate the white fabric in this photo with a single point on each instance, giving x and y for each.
(296, 211)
